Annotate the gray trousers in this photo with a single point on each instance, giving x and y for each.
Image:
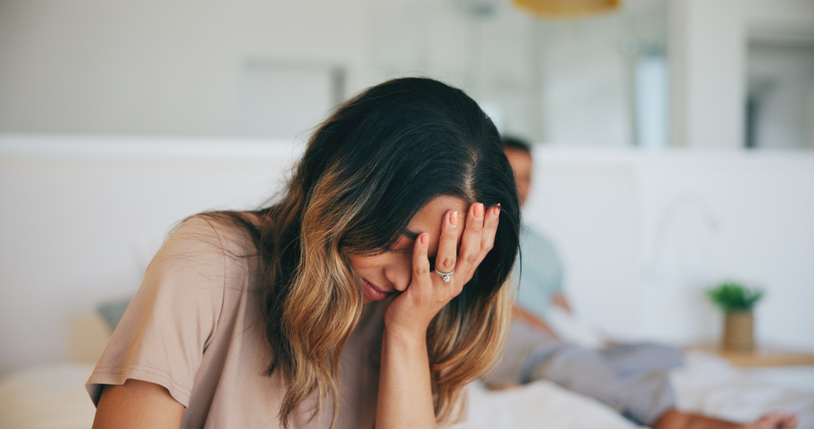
(632, 378)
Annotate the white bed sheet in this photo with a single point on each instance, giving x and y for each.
(538, 405)
(47, 397)
(707, 384)
(710, 385)
(54, 397)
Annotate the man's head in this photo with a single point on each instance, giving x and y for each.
(519, 154)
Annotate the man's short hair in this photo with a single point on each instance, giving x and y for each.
(516, 143)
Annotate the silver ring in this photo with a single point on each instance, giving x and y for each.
(446, 276)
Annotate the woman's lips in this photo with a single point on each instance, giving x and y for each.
(373, 292)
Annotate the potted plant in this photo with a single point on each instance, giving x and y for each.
(737, 302)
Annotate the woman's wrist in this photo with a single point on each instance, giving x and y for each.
(412, 337)
(405, 392)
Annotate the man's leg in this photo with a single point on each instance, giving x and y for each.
(636, 358)
(523, 342)
(610, 376)
(641, 396)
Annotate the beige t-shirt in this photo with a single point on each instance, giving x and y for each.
(194, 328)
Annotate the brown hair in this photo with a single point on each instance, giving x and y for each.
(366, 172)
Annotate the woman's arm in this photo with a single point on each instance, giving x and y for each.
(405, 394)
(137, 404)
(405, 391)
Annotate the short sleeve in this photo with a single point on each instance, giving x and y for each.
(541, 275)
(173, 316)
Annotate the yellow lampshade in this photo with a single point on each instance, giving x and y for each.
(567, 8)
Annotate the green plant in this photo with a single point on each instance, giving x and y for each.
(732, 297)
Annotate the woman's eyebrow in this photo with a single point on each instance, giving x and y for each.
(410, 234)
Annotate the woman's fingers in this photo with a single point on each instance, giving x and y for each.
(421, 265)
(489, 230)
(479, 237)
(428, 292)
(447, 255)
(471, 241)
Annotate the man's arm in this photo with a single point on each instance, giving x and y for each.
(560, 301)
(530, 319)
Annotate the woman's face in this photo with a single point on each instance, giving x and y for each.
(388, 272)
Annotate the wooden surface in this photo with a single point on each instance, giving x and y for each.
(761, 356)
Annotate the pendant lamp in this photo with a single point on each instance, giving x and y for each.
(567, 8)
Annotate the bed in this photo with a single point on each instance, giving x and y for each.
(53, 396)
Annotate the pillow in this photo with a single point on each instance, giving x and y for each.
(112, 311)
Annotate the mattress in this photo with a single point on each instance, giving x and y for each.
(54, 397)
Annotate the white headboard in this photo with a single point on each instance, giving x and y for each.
(81, 216)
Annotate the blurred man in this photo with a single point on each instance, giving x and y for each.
(630, 378)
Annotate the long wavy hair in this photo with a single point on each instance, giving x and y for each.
(367, 170)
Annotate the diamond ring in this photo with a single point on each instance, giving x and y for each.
(446, 276)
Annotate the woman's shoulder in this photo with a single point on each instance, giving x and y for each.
(189, 300)
(228, 232)
(213, 249)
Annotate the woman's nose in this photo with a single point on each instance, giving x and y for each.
(400, 272)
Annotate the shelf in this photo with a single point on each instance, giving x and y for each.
(762, 356)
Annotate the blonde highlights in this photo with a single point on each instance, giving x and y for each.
(323, 303)
(463, 347)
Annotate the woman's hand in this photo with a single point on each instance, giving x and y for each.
(411, 312)
(405, 392)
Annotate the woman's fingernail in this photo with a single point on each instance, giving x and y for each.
(478, 211)
(497, 210)
(424, 239)
(453, 218)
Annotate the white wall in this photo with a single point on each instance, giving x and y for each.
(643, 234)
(159, 67)
(744, 216)
(708, 40)
(586, 94)
(544, 79)
(179, 68)
(174, 68)
(707, 66)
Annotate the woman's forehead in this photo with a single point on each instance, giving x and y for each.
(433, 212)
(430, 217)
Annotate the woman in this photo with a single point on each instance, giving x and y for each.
(369, 295)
